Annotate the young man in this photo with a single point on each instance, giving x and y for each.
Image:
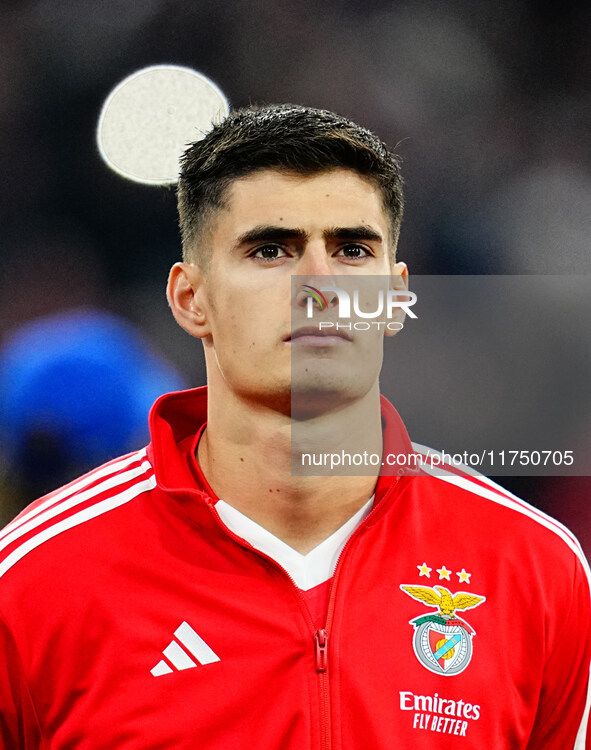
(198, 594)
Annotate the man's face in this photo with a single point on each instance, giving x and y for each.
(277, 225)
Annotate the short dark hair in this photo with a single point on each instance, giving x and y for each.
(286, 137)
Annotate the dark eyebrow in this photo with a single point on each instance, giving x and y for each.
(361, 232)
(269, 233)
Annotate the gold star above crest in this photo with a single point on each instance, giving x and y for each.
(463, 576)
(424, 570)
(444, 573)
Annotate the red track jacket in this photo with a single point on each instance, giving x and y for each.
(131, 618)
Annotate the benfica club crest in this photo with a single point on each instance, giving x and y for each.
(443, 641)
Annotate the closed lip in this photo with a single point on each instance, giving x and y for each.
(317, 332)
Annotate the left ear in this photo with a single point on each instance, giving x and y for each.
(187, 299)
(399, 282)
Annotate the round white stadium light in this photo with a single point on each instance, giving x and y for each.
(148, 120)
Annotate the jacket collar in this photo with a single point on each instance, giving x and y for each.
(178, 419)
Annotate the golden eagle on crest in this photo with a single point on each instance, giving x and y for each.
(443, 599)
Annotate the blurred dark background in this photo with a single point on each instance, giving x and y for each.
(490, 104)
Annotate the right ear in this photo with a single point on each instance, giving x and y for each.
(186, 296)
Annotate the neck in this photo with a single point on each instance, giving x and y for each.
(249, 454)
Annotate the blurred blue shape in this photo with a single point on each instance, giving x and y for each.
(84, 378)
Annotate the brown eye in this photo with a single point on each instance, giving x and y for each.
(353, 251)
(269, 252)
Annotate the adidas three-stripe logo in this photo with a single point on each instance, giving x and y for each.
(179, 658)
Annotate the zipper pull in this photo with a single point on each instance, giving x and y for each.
(321, 650)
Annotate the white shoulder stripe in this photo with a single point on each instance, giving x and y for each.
(426, 451)
(520, 507)
(581, 741)
(76, 519)
(530, 510)
(506, 498)
(100, 473)
(75, 499)
(540, 513)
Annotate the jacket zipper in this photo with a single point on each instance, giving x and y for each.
(320, 635)
(321, 663)
(321, 653)
(348, 543)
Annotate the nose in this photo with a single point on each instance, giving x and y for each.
(315, 260)
(313, 272)
(309, 294)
